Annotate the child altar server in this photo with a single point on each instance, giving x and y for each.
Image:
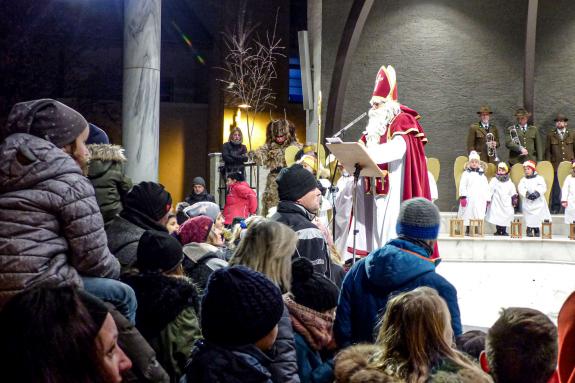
(473, 191)
(568, 196)
(532, 190)
(503, 196)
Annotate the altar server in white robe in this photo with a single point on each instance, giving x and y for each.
(503, 196)
(473, 191)
(532, 190)
(568, 196)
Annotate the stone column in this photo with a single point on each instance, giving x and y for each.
(314, 26)
(141, 92)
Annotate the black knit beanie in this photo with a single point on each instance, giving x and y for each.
(158, 252)
(312, 289)
(295, 182)
(97, 136)
(46, 118)
(240, 306)
(149, 198)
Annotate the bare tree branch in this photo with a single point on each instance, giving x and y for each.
(250, 66)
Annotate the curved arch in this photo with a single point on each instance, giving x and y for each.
(351, 33)
(358, 14)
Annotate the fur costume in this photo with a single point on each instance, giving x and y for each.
(279, 135)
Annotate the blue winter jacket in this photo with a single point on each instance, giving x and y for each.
(398, 266)
(312, 369)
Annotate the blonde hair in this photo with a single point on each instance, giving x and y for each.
(268, 247)
(415, 335)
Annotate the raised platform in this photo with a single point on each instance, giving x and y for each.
(560, 228)
(495, 272)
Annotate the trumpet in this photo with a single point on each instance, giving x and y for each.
(515, 138)
(491, 149)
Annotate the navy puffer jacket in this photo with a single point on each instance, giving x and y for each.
(398, 266)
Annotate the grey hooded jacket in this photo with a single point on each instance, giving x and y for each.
(51, 229)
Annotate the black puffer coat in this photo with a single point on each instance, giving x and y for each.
(214, 364)
(51, 229)
(234, 156)
(124, 233)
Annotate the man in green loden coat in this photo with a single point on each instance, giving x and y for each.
(477, 136)
(523, 140)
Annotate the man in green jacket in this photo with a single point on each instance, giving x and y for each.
(477, 136)
(106, 172)
(523, 140)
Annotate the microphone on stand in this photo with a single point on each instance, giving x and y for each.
(345, 128)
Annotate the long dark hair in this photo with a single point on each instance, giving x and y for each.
(48, 336)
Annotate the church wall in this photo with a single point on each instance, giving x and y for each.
(450, 57)
(555, 62)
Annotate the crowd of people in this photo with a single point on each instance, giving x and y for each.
(105, 281)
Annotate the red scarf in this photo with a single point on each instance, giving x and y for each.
(315, 327)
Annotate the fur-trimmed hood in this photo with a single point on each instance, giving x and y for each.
(104, 157)
(106, 152)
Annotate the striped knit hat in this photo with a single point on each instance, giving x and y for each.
(418, 218)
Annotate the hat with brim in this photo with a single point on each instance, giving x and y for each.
(522, 112)
(485, 109)
(561, 117)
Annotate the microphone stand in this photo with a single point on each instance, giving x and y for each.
(353, 207)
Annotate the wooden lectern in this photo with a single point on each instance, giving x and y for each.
(356, 160)
(351, 154)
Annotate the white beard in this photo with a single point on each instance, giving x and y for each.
(379, 119)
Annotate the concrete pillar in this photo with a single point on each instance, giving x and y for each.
(314, 26)
(141, 92)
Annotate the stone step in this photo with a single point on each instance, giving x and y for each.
(559, 226)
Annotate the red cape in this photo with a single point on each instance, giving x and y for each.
(415, 176)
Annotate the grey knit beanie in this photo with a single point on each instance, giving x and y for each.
(418, 218)
(199, 181)
(46, 118)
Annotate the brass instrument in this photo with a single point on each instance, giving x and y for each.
(515, 137)
(491, 150)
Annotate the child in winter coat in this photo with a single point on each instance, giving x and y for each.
(311, 306)
(532, 190)
(568, 196)
(241, 200)
(239, 316)
(473, 191)
(503, 197)
(202, 249)
(168, 302)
